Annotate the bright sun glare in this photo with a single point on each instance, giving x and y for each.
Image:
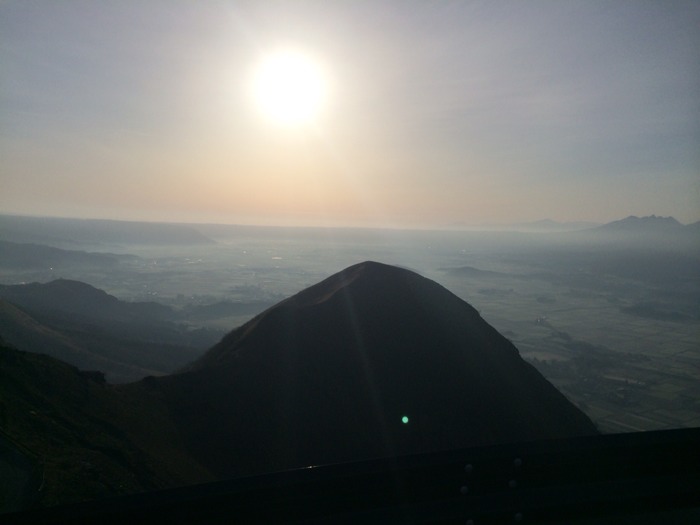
(289, 88)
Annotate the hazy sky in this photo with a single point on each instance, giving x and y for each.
(436, 112)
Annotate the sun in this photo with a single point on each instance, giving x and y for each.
(289, 88)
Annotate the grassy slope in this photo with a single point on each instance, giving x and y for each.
(93, 439)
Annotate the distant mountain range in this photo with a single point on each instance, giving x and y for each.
(94, 233)
(648, 232)
(650, 224)
(67, 233)
(373, 361)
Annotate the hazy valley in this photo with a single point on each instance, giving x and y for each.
(610, 318)
(609, 315)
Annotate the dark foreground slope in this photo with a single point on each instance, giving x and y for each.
(67, 436)
(329, 374)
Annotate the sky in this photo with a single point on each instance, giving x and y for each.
(434, 114)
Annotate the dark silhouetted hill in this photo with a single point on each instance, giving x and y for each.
(90, 329)
(31, 256)
(68, 297)
(327, 376)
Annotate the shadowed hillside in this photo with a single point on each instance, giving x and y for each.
(327, 376)
(67, 298)
(87, 327)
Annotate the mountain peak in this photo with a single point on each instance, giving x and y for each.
(367, 273)
(373, 361)
(365, 297)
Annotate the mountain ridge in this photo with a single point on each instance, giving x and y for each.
(25, 256)
(77, 297)
(328, 374)
(87, 327)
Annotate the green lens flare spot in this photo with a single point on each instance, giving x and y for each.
(404, 420)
